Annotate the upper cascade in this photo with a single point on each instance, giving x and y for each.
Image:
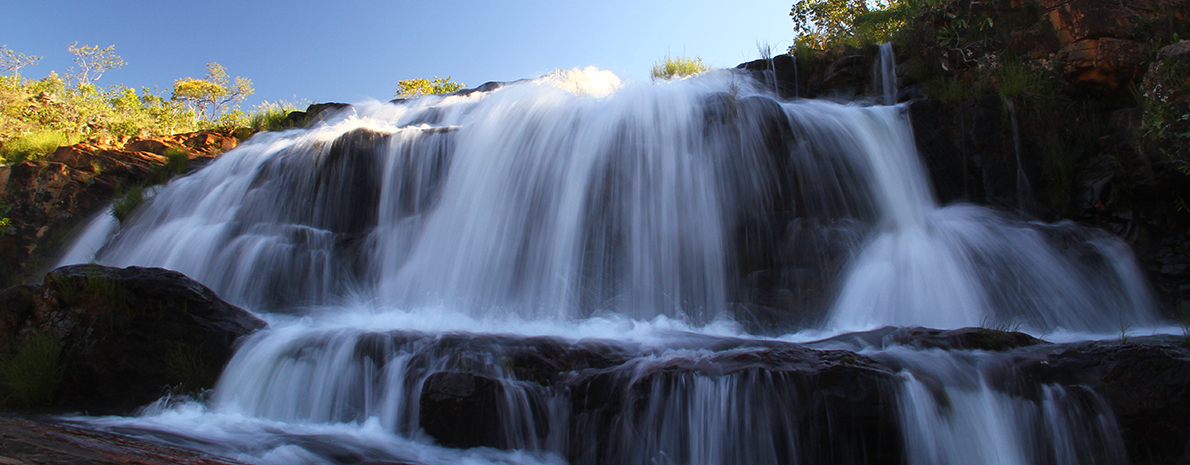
(575, 195)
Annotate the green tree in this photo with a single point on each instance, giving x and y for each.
(11, 62)
(409, 88)
(93, 62)
(214, 94)
(823, 23)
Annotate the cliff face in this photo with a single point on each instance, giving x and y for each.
(45, 200)
(1054, 109)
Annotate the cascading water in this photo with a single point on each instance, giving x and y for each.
(884, 77)
(642, 216)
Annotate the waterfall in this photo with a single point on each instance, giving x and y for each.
(884, 76)
(396, 242)
(953, 415)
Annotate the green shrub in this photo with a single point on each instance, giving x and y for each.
(178, 160)
(32, 374)
(409, 88)
(127, 201)
(273, 116)
(671, 67)
(32, 146)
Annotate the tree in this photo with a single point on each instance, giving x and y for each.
(409, 88)
(822, 23)
(93, 62)
(11, 62)
(214, 94)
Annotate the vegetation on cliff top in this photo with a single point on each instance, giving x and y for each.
(410, 88)
(39, 115)
(677, 67)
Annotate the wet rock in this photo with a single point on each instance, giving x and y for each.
(461, 410)
(1146, 384)
(961, 339)
(49, 442)
(128, 334)
(932, 121)
(314, 113)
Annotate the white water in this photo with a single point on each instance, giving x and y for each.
(952, 415)
(581, 207)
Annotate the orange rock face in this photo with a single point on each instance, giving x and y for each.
(46, 199)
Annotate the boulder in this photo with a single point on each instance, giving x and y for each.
(462, 409)
(127, 335)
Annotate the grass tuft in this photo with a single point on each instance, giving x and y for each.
(178, 160)
(32, 375)
(32, 146)
(671, 67)
(127, 201)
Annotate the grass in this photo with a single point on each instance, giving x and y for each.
(127, 201)
(32, 374)
(671, 67)
(32, 146)
(186, 365)
(177, 160)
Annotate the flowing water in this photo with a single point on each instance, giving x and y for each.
(655, 221)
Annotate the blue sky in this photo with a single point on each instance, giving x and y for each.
(352, 50)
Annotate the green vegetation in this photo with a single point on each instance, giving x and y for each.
(214, 94)
(126, 201)
(32, 374)
(177, 160)
(11, 62)
(4, 221)
(410, 88)
(39, 115)
(824, 24)
(92, 62)
(187, 366)
(671, 67)
(34, 144)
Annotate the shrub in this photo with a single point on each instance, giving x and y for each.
(274, 116)
(409, 88)
(177, 160)
(671, 67)
(127, 201)
(32, 375)
(32, 146)
(822, 24)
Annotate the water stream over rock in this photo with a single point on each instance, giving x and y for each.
(585, 271)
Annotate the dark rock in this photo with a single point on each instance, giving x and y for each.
(1147, 386)
(16, 305)
(128, 334)
(961, 339)
(846, 77)
(462, 409)
(947, 165)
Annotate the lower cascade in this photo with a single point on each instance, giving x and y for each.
(572, 269)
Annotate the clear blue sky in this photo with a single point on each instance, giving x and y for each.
(351, 50)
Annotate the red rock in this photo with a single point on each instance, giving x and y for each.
(1103, 64)
(147, 145)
